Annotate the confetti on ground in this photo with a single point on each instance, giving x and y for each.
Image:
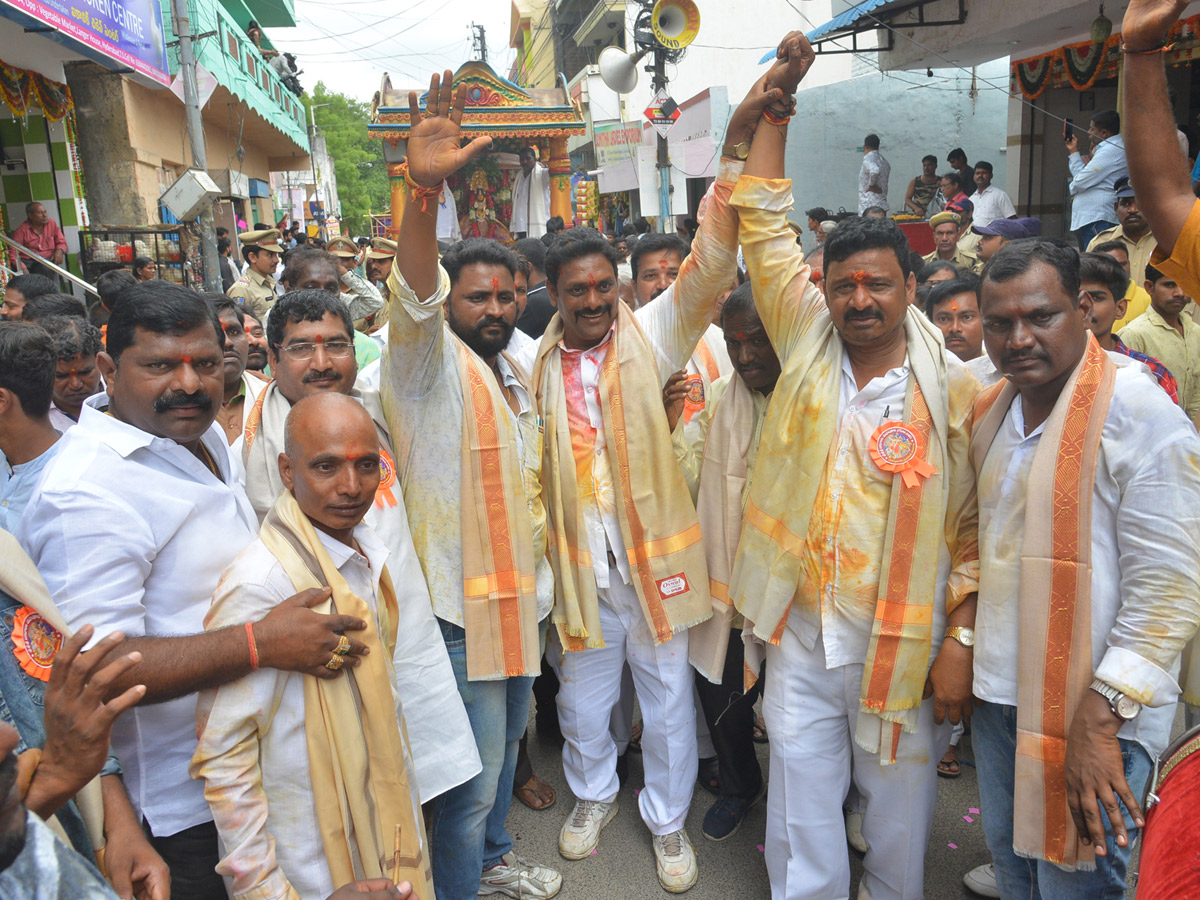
(973, 810)
(636, 792)
(952, 846)
(760, 848)
(594, 852)
(968, 819)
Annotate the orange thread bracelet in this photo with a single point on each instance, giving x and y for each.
(419, 191)
(253, 648)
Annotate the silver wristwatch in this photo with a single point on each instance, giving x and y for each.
(1123, 707)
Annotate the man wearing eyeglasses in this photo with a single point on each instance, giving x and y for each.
(310, 340)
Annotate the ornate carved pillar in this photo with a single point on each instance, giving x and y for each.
(560, 180)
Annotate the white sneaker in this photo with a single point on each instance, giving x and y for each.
(581, 832)
(854, 835)
(982, 881)
(520, 879)
(675, 859)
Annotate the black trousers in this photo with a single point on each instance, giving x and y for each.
(730, 716)
(192, 856)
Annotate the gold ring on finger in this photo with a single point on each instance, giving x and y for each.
(335, 663)
(343, 645)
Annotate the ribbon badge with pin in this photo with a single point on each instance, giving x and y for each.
(897, 447)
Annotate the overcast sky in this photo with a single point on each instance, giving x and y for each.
(349, 44)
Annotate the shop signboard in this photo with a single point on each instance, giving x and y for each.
(616, 142)
(128, 32)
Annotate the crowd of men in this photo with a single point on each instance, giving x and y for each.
(281, 567)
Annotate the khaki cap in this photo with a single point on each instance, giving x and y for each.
(943, 217)
(342, 246)
(381, 248)
(267, 239)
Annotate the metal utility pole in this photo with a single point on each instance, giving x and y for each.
(195, 130)
(479, 41)
(664, 160)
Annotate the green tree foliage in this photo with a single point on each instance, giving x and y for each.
(357, 160)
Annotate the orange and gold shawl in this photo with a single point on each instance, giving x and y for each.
(1055, 648)
(653, 504)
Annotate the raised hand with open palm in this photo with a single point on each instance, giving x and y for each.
(435, 148)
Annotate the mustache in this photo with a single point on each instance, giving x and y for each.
(852, 314)
(607, 308)
(488, 321)
(327, 375)
(179, 399)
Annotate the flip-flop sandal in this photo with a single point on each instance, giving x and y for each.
(760, 731)
(949, 767)
(534, 794)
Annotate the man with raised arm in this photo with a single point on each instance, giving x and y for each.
(625, 537)
(467, 444)
(850, 563)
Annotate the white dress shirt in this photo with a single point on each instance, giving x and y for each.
(1145, 586)
(991, 203)
(132, 532)
(874, 169)
(17, 484)
(1091, 188)
(256, 769)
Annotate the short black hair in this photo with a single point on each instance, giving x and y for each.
(871, 142)
(641, 226)
(953, 177)
(475, 252)
(817, 213)
(1106, 270)
(1153, 275)
(555, 223)
(30, 286)
(930, 269)
(576, 244)
(53, 305)
(141, 262)
(533, 250)
(221, 302)
(655, 243)
(301, 258)
(112, 285)
(524, 266)
(985, 165)
(221, 231)
(929, 157)
(158, 307)
(305, 306)
(223, 244)
(740, 301)
(73, 336)
(1111, 245)
(27, 363)
(1107, 120)
(956, 153)
(1015, 258)
(865, 233)
(874, 209)
(941, 291)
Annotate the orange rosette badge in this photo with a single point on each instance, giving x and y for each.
(387, 478)
(898, 448)
(35, 643)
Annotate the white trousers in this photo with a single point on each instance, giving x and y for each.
(622, 719)
(590, 688)
(811, 714)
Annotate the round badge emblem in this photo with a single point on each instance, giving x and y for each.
(695, 391)
(897, 445)
(35, 643)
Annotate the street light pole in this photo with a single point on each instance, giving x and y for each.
(312, 155)
(195, 130)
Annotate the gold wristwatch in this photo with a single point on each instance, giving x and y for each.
(740, 150)
(962, 634)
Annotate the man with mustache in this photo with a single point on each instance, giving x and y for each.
(76, 374)
(311, 269)
(953, 306)
(156, 462)
(1166, 333)
(312, 352)
(854, 565)
(256, 337)
(1131, 229)
(468, 453)
(241, 388)
(1088, 557)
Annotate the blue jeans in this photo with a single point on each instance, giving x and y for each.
(1085, 234)
(467, 823)
(995, 741)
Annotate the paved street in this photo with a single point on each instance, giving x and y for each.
(623, 868)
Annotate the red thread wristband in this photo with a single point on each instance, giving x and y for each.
(253, 648)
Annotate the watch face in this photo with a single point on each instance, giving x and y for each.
(1127, 708)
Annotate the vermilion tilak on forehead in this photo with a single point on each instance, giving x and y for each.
(860, 276)
(319, 339)
(495, 284)
(186, 359)
(591, 281)
(953, 307)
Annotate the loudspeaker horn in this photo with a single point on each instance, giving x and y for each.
(618, 70)
(675, 23)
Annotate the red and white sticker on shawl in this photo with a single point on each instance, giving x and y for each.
(672, 585)
(35, 642)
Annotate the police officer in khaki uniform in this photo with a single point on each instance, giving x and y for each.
(379, 267)
(256, 288)
(960, 259)
(361, 296)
